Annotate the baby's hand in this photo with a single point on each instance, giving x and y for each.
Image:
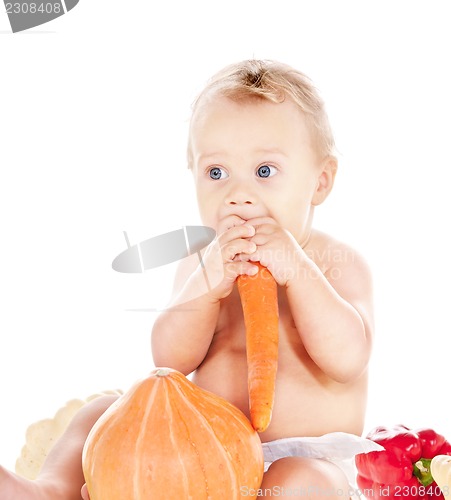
(276, 249)
(221, 260)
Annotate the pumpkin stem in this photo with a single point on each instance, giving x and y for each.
(162, 372)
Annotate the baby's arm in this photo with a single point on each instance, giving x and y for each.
(333, 313)
(331, 306)
(182, 334)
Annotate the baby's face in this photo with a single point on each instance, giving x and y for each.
(254, 159)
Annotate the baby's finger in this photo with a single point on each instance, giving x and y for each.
(229, 222)
(84, 492)
(260, 238)
(236, 232)
(260, 221)
(236, 247)
(235, 269)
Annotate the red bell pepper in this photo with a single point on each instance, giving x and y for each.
(402, 470)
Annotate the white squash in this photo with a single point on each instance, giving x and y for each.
(41, 436)
(441, 472)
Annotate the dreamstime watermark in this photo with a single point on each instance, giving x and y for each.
(26, 14)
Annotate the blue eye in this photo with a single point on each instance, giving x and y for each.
(217, 173)
(266, 171)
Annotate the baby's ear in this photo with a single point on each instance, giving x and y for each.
(326, 178)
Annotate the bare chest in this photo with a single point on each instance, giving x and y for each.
(304, 394)
(224, 369)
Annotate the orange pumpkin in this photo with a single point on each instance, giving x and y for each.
(168, 438)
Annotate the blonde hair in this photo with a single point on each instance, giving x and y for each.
(273, 81)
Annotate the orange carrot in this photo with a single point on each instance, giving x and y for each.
(261, 318)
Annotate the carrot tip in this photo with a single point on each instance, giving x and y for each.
(258, 294)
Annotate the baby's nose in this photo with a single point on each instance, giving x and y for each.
(240, 195)
(240, 200)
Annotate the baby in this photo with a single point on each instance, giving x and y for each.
(261, 153)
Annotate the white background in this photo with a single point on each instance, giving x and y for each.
(94, 109)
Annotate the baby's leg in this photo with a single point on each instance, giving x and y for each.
(305, 477)
(61, 477)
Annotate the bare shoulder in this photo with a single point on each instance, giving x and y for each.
(333, 256)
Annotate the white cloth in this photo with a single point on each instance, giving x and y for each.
(338, 448)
